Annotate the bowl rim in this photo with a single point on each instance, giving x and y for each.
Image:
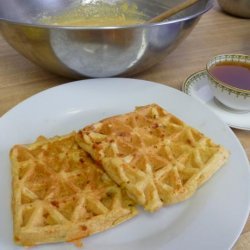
(208, 6)
(224, 58)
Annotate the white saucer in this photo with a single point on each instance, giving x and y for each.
(197, 86)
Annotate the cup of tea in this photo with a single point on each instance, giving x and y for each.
(229, 79)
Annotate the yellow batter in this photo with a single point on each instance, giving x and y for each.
(98, 14)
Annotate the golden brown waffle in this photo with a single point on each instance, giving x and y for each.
(158, 158)
(60, 194)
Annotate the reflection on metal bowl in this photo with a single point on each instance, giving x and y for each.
(78, 51)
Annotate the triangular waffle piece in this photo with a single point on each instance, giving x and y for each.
(60, 194)
(158, 158)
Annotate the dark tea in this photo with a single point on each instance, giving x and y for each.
(236, 74)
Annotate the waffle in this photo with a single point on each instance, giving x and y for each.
(60, 194)
(155, 156)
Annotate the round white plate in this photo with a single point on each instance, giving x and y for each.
(197, 86)
(212, 219)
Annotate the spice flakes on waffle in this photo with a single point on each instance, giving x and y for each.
(60, 194)
(156, 157)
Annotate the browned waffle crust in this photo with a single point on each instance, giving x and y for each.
(155, 156)
(60, 194)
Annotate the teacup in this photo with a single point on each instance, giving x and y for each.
(229, 80)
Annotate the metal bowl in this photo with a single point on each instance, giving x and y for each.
(95, 51)
(240, 8)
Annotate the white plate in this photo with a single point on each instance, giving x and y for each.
(212, 219)
(197, 86)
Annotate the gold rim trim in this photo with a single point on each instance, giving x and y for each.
(228, 58)
(190, 79)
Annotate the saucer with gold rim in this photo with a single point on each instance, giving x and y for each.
(197, 86)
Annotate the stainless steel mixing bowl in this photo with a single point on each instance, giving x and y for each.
(239, 8)
(95, 51)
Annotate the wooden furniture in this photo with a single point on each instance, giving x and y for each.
(216, 33)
